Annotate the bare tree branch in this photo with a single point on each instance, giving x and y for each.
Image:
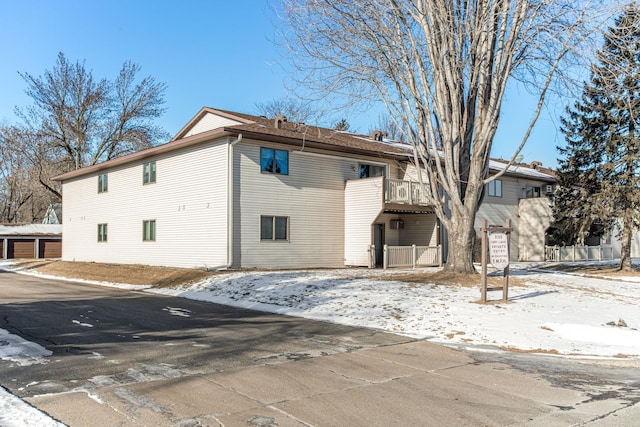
(441, 68)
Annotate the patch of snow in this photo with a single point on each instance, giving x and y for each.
(79, 323)
(176, 311)
(30, 229)
(449, 315)
(18, 350)
(14, 412)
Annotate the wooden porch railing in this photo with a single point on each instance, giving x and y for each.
(410, 256)
(399, 191)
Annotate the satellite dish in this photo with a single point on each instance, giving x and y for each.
(519, 158)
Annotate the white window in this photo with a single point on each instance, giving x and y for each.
(368, 171)
(103, 183)
(274, 228)
(274, 161)
(102, 232)
(149, 172)
(494, 188)
(149, 230)
(533, 191)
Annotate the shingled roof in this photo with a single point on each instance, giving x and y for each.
(260, 128)
(295, 133)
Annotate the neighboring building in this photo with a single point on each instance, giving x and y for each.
(232, 190)
(523, 195)
(30, 241)
(53, 214)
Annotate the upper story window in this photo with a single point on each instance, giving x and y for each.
(274, 161)
(494, 188)
(103, 183)
(149, 172)
(367, 171)
(533, 191)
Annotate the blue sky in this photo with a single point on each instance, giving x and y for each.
(213, 53)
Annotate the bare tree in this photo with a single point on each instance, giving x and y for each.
(441, 67)
(293, 109)
(91, 120)
(23, 198)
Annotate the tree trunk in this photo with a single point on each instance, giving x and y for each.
(625, 244)
(461, 239)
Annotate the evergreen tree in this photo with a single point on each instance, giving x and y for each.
(600, 172)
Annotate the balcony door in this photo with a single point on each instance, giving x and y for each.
(378, 241)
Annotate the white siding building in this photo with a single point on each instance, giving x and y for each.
(238, 191)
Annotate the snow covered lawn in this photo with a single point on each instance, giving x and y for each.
(552, 313)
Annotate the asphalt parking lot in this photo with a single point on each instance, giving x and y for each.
(131, 358)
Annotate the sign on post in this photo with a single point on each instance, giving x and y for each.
(499, 250)
(495, 243)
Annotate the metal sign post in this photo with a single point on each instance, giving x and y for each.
(495, 243)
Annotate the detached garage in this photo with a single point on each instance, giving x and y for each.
(30, 241)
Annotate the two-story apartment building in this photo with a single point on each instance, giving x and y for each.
(232, 190)
(523, 195)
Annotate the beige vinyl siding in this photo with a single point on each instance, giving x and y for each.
(311, 196)
(210, 122)
(364, 200)
(535, 217)
(420, 230)
(496, 210)
(412, 173)
(188, 202)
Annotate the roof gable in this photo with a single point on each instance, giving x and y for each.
(209, 119)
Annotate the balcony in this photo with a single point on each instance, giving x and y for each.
(405, 192)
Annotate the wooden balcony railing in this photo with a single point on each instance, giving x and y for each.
(408, 192)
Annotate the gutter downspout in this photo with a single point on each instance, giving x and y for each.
(229, 205)
(230, 201)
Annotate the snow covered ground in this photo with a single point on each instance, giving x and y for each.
(555, 313)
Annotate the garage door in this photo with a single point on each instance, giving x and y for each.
(50, 248)
(21, 248)
(1, 248)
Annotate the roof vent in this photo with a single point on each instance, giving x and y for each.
(377, 135)
(280, 119)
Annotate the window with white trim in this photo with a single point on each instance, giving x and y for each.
(368, 171)
(494, 188)
(149, 172)
(103, 183)
(149, 230)
(274, 161)
(102, 232)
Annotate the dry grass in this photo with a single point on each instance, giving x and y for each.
(167, 276)
(448, 279)
(537, 350)
(130, 274)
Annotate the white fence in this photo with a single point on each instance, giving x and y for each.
(578, 253)
(410, 256)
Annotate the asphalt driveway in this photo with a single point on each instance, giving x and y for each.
(131, 358)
